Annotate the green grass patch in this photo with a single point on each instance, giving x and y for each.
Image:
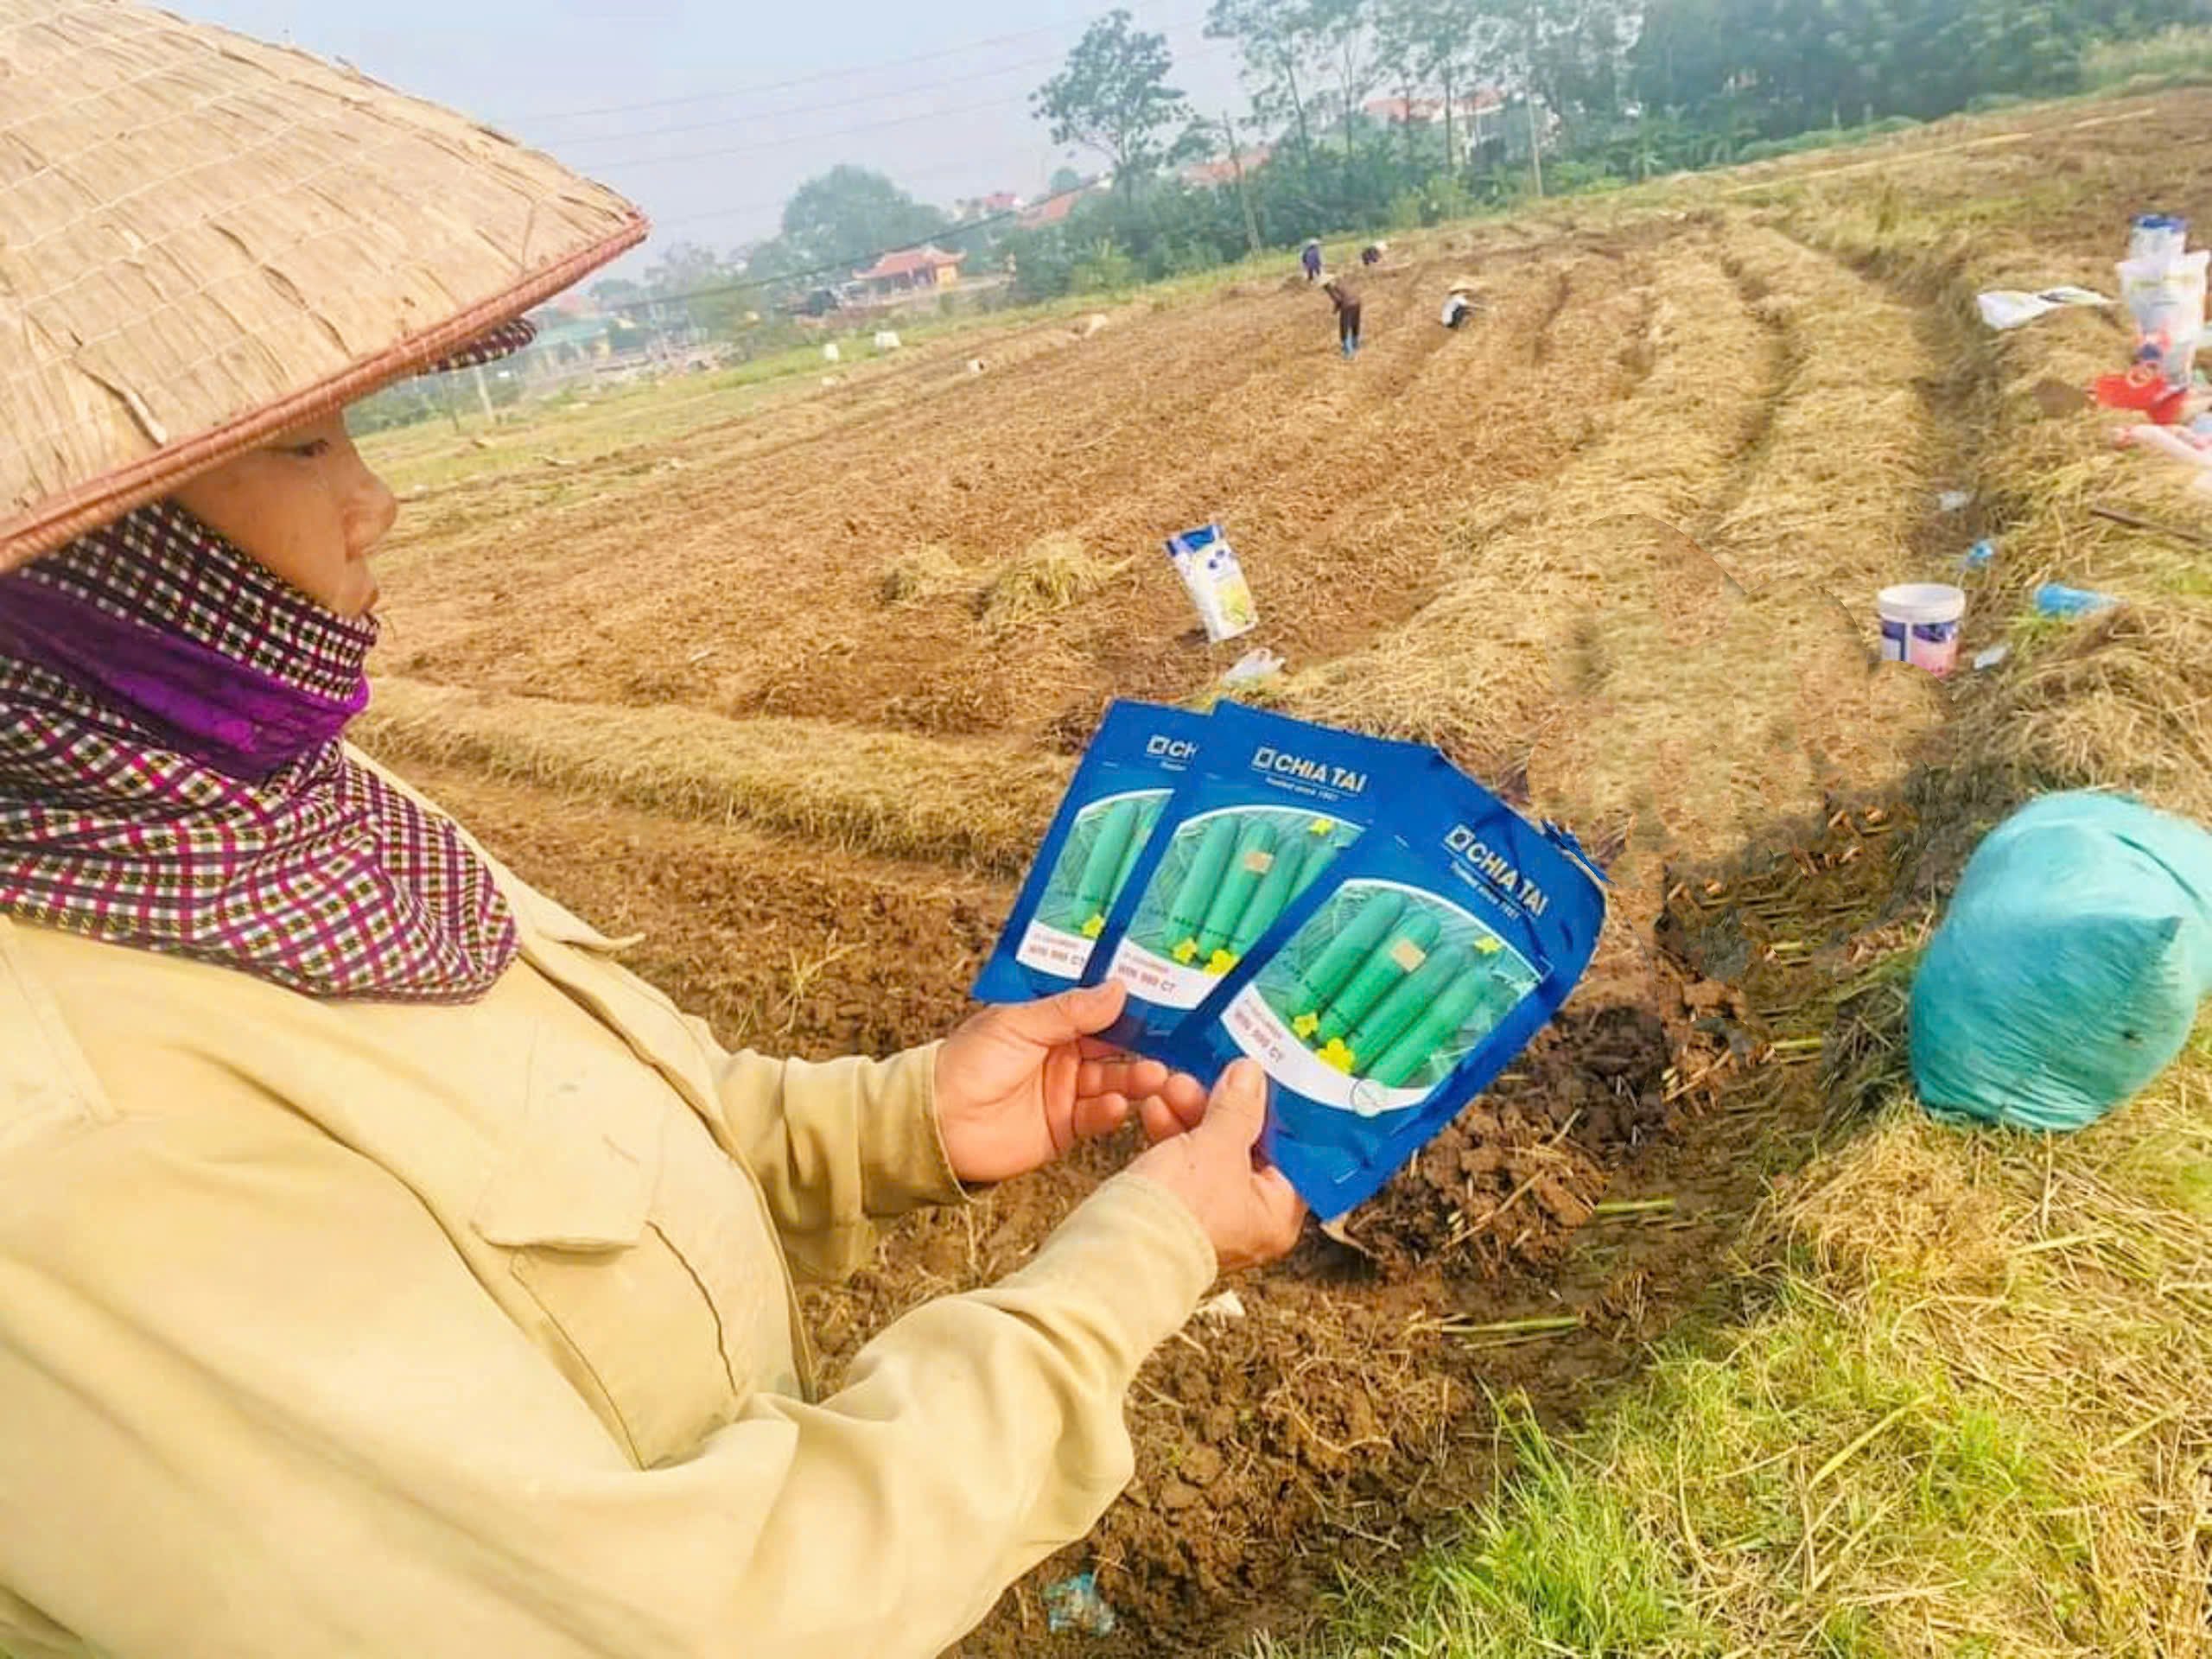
(1948, 1427)
(2179, 55)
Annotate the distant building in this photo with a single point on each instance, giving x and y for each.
(1477, 118)
(901, 275)
(1216, 176)
(1055, 208)
(991, 207)
(597, 345)
(568, 348)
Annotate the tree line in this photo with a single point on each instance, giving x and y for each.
(1363, 115)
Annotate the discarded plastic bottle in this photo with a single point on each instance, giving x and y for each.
(2053, 599)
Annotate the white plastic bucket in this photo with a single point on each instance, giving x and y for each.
(1920, 624)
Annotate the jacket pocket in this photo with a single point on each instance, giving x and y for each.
(46, 1086)
(579, 1200)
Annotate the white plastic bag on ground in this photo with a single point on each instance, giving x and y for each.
(2005, 308)
(1209, 568)
(886, 341)
(1258, 664)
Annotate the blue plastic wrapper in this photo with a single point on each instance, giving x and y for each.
(1118, 795)
(1269, 807)
(1394, 990)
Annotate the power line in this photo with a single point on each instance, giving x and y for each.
(811, 109)
(789, 139)
(755, 145)
(814, 80)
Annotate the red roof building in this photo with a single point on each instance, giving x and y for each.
(916, 271)
(990, 206)
(1429, 111)
(1214, 175)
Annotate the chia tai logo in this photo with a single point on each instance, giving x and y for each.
(1280, 764)
(1497, 869)
(1171, 748)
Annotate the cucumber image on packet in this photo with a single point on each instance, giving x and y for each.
(1112, 807)
(1267, 808)
(1398, 985)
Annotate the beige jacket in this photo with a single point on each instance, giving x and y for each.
(331, 1330)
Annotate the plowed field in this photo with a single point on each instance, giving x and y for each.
(791, 691)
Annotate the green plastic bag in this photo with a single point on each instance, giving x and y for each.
(2069, 971)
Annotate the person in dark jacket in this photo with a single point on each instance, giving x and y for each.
(1345, 298)
(1311, 258)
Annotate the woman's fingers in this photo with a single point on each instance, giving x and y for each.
(1097, 1116)
(1158, 1122)
(1186, 1097)
(1124, 1077)
(1166, 1102)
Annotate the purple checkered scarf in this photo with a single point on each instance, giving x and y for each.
(170, 777)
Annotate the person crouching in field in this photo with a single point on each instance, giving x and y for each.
(1458, 304)
(1345, 298)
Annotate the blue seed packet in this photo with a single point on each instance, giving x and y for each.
(1400, 985)
(1269, 807)
(1140, 753)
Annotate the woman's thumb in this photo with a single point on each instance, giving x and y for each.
(1084, 1012)
(1238, 1110)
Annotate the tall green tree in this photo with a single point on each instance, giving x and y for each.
(1434, 43)
(1279, 44)
(1113, 96)
(846, 215)
(1570, 57)
(1344, 32)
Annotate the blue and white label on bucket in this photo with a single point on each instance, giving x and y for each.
(1924, 644)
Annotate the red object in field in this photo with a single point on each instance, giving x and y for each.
(2143, 387)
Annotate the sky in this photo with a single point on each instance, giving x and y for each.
(750, 102)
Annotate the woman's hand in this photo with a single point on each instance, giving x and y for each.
(1018, 1087)
(1249, 1209)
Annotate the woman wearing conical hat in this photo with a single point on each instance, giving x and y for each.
(1460, 302)
(382, 1269)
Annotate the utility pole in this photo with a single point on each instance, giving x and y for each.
(1535, 146)
(484, 396)
(1244, 196)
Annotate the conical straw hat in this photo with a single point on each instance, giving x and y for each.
(204, 240)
